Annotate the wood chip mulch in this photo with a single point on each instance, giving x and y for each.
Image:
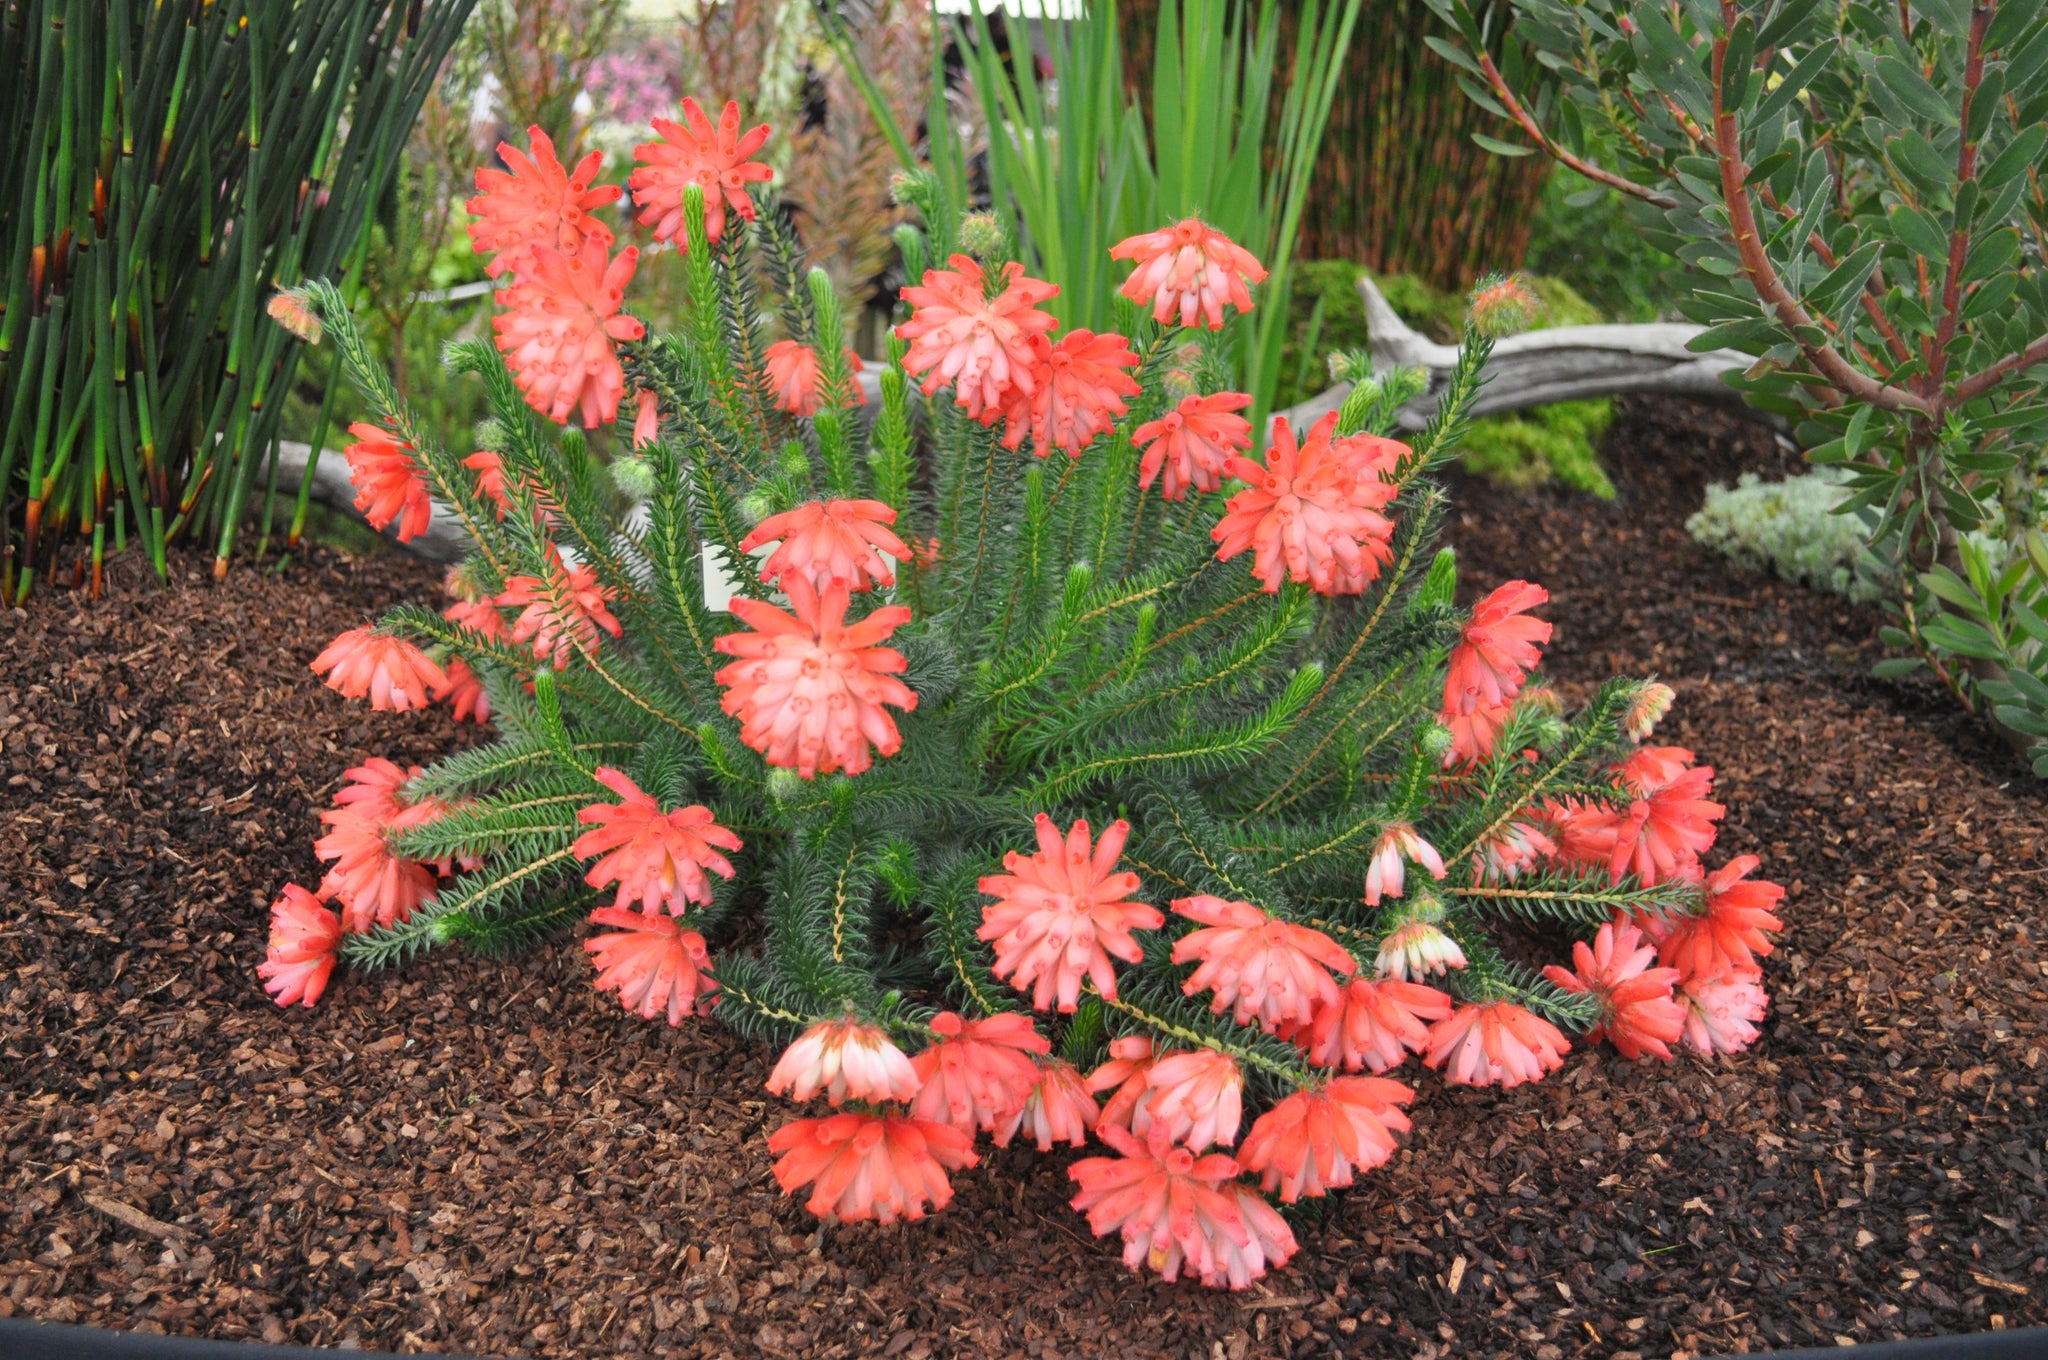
(486, 1156)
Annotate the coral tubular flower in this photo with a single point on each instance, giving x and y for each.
(1500, 645)
(395, 675)
(1417, 949)
(387, 480)
(1174, 1210)
(1671, 822)
(375, 886)
(1078, 391)
(304, 935)
(1637, 1011)
(375, 789)
(808, 687)
(1257, 965)
(870, 1166)
(1473, 733)
(1127, 1073)
(653, 964)
(536, 203)
(1194, 1098)
(1375, 1024)
(978, 1073)
(560, 613)
(1059, 1107)
(793, 373)
(1238, 1258)
(479, 616)
(1312, 513)
(1511, 852)
(1191, 445)
(490, 484)
(1651, 703)
(657, 858)
(646, 418)
(1722, 1013)
(820, 540)
(981, 345)
(464, 691)
(560, 331)
(1315, 1141)
(1063, 913)
(1189, 269)
(1495, 1043)
(844, 1059)
(717, 159)
(1583, 831)
(1733, 927)
(1386, 874)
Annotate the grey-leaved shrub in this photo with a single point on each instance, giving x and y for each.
(1792, 528)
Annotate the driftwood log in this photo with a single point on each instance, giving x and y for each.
(1532, 369)
(1536, 368)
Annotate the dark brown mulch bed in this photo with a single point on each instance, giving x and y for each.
(487, 1156)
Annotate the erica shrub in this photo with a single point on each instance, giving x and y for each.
(1071, 775)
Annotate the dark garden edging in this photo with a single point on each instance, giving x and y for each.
(24, 1340)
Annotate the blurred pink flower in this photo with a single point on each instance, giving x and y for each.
(1192, 443)
(561, 328)
(843, 1059)
(1315, 1141)
(535, 202)
(717, 159)
(864, 1166)
(1310, 514)
(977, 1074)
(1189, 269)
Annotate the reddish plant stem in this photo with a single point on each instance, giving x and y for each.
(1845, 377)
(1527, 122)
(1959, 237)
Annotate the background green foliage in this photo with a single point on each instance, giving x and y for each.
(167, 167)
(1556, 443)
(1861, 183)
(1229, 129)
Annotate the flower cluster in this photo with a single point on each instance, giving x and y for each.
(1235, 830)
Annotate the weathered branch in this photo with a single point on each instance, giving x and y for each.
(1566, 363)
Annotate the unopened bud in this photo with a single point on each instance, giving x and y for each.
(293, 310)
(634, 478)
(461, 583)
(909, 188)
(1502, 305)
(1650, 705)
(1437, 740)
(981, 236)
(756, 506)
(784, 785)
